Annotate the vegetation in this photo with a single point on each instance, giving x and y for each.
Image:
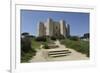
(25, 57)
(57, 37)
(35, 44)
(85, 36)
(60, 37)
(53, 38)
(25, 34)
(46, 46)
(43, 39)
(78, 45)
(29, 45)
(74, 38)
(27, 52)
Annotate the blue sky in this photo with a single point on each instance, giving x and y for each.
(79, 22)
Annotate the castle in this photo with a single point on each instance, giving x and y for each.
(53, 28)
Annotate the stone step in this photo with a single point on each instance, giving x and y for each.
(58, 51)
(58, 55)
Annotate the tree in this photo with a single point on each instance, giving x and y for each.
(86, 35)
(53, 38)
(25, 34)
(41, 39)
(26, 50)
(26, 45)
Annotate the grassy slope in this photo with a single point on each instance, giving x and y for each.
(35, 44)
(27, 56)
(80, 46)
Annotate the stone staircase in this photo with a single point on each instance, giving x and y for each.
(56, 52)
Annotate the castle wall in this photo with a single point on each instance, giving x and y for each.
(56, 29)
(63, 28)
(49, 27)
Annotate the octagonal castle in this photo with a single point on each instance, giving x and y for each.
(53, 28)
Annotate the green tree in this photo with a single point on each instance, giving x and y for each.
(86, 35)
(26, 50)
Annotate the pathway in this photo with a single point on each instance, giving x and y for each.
(74, 55)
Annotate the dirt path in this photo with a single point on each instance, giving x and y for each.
(74, 55)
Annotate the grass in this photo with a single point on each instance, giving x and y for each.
(35, 44)
(80, 46)
(27, 56)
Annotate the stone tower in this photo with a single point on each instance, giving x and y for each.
(42, 29)
(49, 27)
(63, 28)
(68, 30)
(54, 28)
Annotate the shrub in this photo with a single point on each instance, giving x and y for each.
(25, 57)
(25, 45)
(53, 38)
(41, 39)
(61, 37)
(57, 37)
(74, 38)
(27, 52)
(46, 46)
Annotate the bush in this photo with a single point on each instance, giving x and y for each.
(27, 52)
(53, 38)
(25, 57)
(60, 37)
(46, 46)
(74, 38)
(25, 45)
(57, 37)
(41, 39)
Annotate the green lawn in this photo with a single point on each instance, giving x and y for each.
(35, 44)
(80, 46)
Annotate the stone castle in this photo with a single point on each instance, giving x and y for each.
(53, 28)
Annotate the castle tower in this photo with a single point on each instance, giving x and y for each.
(49, 27)
(68, 30)
(63, 28)
(42, 29)
(56, 28)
